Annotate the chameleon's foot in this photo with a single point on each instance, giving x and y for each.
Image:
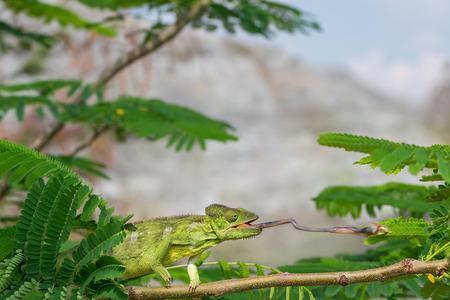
(164, 274)
(193, 276)
(193, 285)
(167, 282)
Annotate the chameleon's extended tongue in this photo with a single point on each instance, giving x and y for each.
(374, 229)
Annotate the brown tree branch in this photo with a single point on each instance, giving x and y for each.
(218, 288)
(154, 44)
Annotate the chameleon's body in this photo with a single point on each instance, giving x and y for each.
(156, 243)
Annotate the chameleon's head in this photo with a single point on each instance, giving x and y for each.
(231, 223)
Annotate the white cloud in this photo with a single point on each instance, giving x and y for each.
(412, 80)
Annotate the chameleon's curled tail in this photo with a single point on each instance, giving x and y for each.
(374, 229)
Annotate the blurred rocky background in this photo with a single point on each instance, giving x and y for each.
(278, 104)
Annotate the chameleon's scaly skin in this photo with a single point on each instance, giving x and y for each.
(160, 242)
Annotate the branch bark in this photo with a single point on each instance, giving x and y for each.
(218, 288)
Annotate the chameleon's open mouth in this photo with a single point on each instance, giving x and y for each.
(246, 224)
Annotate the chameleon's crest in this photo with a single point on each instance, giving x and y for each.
(231, 223)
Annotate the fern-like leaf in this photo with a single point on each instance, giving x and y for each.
(84, 165)
(18, 103)
(24, 290)
(107, 272)
(90, 248)
(113, 4)
(403, 228)
(12, 265)
(392, 157)
(113, 291)
(43, 87)
(154, 119)
(6, 241)
(56, 293)
(327, 264)
(42, 39)
(355, 143)
(45, 223)
(406, 226)
(49, 12)
(26, 164)
(344, 200)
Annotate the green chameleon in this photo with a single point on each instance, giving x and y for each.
(157, 243)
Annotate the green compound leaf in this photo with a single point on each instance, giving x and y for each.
(155, 120)
(351, 200)
(392, 157)
(27, 164)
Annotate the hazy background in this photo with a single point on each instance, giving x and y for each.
(378, 68)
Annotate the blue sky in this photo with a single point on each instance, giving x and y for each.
(402, 29)
(398, 46)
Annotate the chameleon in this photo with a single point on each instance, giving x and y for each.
(154, 244)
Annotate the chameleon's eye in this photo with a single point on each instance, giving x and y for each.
(231, 216)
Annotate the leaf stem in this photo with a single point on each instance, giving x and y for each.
(446, 245)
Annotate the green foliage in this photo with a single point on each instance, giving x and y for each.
(107, 272)
(427, 236)
(114, 4)
(24, 290)
(406, 227)
(401, 227)
(344, 200)
(24, 36)
(24, 164)
(40, 260)
(8, 268)
(50, 12)
(91, 248)
(154, 119)
(83, 165)
(49, 214)
(19, 102)
(327, 264)
(6, 241)
(45, 223)
(256, 17)
(436, 291)
(37, 93)
(392, 157)
(43, 87)
(62, 203)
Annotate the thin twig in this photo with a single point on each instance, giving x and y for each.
(97, 133)
(8, 219)
(222, 287)
(4, 190)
